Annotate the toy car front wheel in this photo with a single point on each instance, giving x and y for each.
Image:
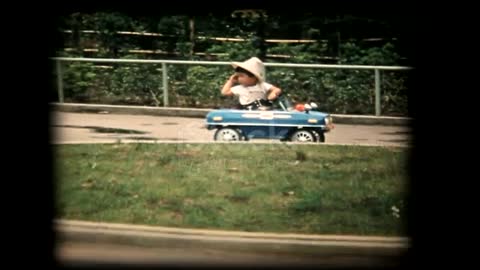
(227, 134)
(303, 135)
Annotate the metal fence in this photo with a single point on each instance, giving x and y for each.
(165, 63)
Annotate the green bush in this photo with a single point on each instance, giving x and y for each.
(78, 78)
(343, 91)
(335, 90)
(113, 84)
(198, 86)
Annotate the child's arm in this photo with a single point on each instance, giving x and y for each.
(275, 92)
(227, 87)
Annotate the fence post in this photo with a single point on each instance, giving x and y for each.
(59, 81)
(165, 84)
(377, 93)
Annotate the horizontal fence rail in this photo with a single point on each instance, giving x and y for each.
(165, 64)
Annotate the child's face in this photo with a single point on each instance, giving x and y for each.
(245, 80)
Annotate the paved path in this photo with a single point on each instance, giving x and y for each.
(93, 127)
(78, 254)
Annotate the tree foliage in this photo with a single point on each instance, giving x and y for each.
(336, 41)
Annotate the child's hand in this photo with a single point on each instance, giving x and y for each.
(234, 78)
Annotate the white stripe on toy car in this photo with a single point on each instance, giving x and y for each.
(265, 115)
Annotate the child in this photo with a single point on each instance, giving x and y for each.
(251, 90)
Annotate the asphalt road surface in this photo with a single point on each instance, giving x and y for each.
(94, 127)
(96, 254)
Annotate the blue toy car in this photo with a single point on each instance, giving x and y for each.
(302, 123)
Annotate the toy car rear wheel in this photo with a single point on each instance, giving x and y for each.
(227, 134)
(303, 135)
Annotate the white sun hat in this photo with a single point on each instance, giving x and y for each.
(254, 65)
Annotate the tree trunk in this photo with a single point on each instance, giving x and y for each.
(339, 43)
(192, 36)
(260, 38)
(76, 33)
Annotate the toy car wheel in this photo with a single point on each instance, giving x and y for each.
(227, 134)
(303, 135)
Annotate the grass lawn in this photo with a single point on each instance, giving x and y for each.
(322, 189)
